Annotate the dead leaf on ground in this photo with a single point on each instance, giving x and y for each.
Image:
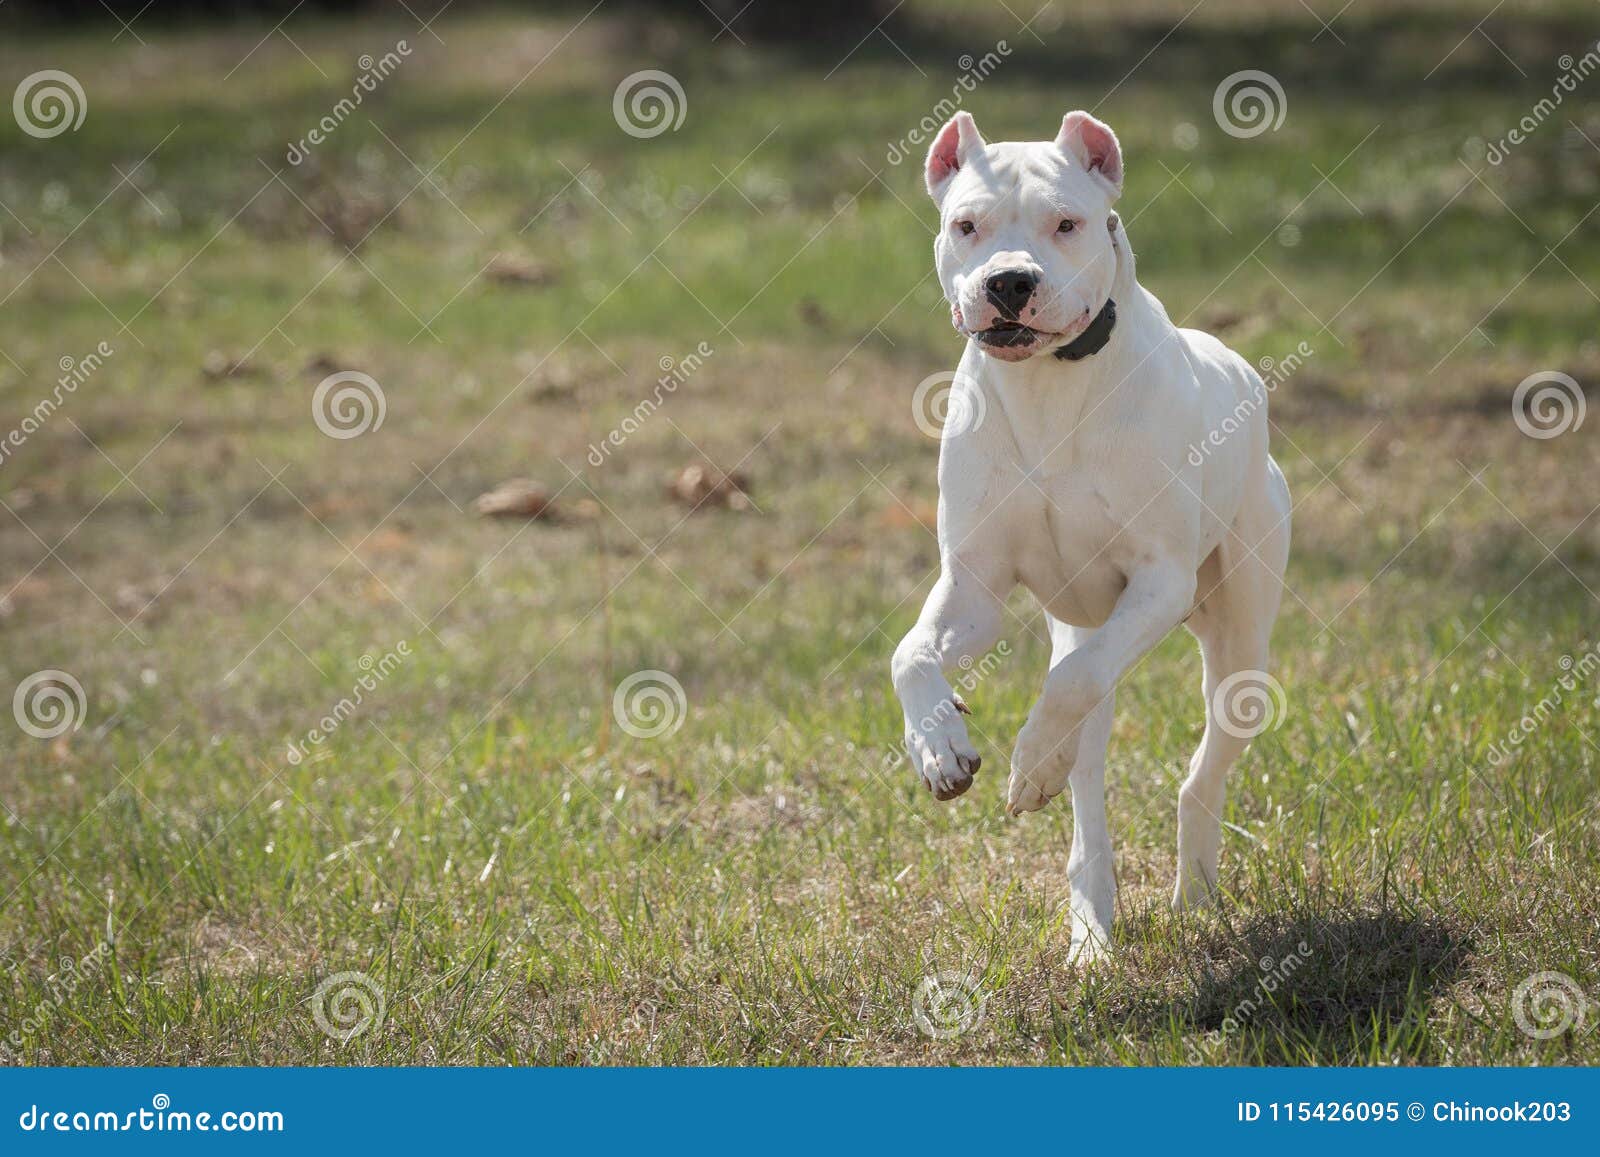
(517, 498)
(700, 484)
(219, 366)
(509, 269)
(323, 364)
(330, 506)
(390, 540)
(813, 314)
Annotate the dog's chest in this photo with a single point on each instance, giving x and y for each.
(1065, 511)
(1055, 477)
(1063, 529)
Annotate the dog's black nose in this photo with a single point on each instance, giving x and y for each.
(1009, 291)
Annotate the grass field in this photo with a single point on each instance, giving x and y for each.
(522, 879)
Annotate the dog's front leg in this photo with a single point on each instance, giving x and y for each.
(1066, 734)
(960, 620)
(1089, 869)
(1155, 599)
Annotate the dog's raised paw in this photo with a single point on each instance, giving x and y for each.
(1039, 773)
(942, 754)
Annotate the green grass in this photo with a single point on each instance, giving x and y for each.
(525, 882)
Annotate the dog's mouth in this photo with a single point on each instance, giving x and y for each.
(1009, 335)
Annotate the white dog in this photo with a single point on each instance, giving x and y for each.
(1081, 459)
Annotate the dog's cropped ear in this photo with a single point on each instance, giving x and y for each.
(1093, 145)
(955, 145)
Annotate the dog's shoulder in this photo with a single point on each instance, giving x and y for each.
(1216, 365)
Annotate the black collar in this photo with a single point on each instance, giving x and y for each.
(1093, 339)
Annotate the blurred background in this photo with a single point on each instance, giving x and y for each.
(464, 468)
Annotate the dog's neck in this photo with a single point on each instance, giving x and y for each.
(1094, 336)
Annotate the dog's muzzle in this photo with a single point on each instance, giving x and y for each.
(1007, 335)
(1008, 291)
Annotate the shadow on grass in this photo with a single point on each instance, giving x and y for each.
(1353, 985)
(1342, 989)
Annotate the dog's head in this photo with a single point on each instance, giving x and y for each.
(1024, 252)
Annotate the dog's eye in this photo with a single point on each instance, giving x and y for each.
(1066, 227)
(967, 228)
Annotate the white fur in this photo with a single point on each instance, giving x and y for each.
(1078, 484)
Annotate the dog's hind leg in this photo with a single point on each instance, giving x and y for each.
(1240, 586)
